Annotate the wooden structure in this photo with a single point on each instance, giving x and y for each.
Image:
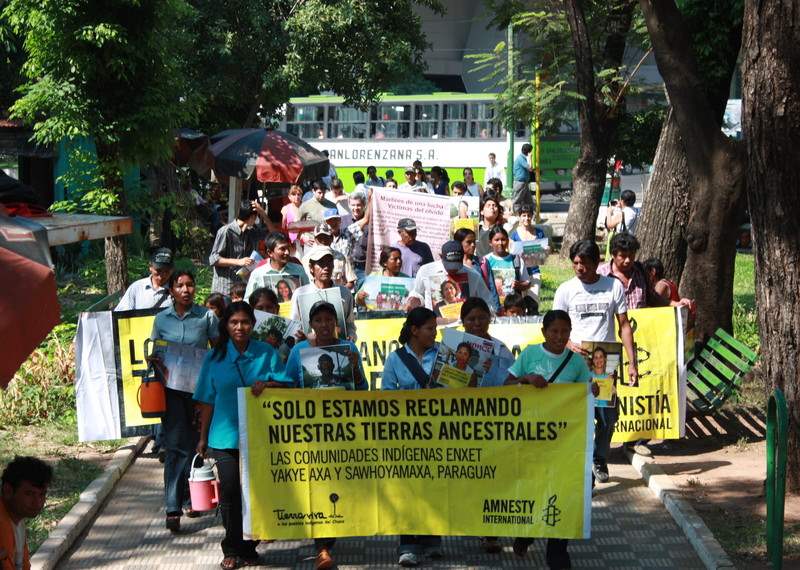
(72, 228)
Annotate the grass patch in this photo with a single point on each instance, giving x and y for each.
(75, 466)
(745, 537)
(555, 271)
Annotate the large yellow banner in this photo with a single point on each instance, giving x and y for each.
(652, 409)
(508, 461)
(132, 339)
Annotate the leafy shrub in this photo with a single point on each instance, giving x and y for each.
(43, 389)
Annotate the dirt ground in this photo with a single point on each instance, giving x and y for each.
(720, 467)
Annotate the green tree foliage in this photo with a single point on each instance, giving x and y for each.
(249, 57)
(104, 70)
(12, 57)
(544, 46)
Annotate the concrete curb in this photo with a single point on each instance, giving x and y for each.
(703, 541)
(61, 538)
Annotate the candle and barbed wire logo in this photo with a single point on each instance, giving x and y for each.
(334, 499)
(552, 514)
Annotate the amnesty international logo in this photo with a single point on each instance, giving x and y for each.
(552, 514)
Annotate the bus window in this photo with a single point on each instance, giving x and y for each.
(306, 121)
(482, 124)
(347, 123)
(454, 125)
(391, 121)
(426, 120)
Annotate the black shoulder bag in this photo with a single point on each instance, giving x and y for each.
(560, 367)
(414, 367)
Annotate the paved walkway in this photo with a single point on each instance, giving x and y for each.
(630, 529)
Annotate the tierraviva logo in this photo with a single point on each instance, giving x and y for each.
(284, 515)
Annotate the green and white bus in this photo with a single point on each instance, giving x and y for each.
(450, 130)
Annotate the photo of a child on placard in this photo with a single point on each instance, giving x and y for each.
(604, 360)
(327, 368)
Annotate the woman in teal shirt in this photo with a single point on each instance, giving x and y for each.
(541, 365)
(237, 361)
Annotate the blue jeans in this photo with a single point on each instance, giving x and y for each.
(359, 269)
(417, 543)
(603, 432)
(180, 440)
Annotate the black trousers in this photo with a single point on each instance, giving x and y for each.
(230, 491)
(555, 553)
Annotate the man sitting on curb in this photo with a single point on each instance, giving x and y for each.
(24, 490)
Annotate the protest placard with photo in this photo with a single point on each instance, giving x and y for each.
(448, 293)
(274, 328)
(533, 252)
(386, 293)
(327, 367)
(333, 296)
(464, 213)
(462, 356)
(605, 362)
(284, 285)
(183, 363)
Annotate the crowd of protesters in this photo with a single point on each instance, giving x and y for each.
(321, 244)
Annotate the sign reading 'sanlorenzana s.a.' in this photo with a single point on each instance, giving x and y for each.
(326, 464)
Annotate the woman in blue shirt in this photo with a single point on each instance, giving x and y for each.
(183, 322)
(237, 361)
(323, 319)
(409, 368)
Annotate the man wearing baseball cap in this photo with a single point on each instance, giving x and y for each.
(415, 253)
(151, 291)
(429, 279)
(343, 272)
(320, 265)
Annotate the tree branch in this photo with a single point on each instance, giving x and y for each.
(584, 74)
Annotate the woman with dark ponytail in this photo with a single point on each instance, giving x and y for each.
(237, 361)
(409, 368)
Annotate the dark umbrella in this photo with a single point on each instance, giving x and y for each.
(275, 156)
(192, 149)
(28, 303)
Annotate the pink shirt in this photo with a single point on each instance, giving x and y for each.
(636, 290)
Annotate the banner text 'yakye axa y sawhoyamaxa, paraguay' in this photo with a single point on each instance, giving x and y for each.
(509, 461)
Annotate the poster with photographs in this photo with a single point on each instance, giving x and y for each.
(273, 329)
(464, 213)
(461, 358)
(448, 293)
(386, 293)
(605, 362)
(183, 363)
(504, 278)
(284, 285)
(532, 252)
(333, 296)
(327, 368)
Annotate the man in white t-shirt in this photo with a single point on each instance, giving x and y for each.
(593, 302)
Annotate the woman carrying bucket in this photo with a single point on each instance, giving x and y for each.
(237, 361)
(183, 322)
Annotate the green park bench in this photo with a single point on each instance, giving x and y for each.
(717, 371)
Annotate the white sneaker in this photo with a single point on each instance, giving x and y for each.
(408, 560)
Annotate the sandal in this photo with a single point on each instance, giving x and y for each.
(233, 562)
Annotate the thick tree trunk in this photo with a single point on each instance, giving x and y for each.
(116, 248)
(771, 124)
(116, 263)
(715, 166)
(711, 237)
(598, 121)
(665, 214)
